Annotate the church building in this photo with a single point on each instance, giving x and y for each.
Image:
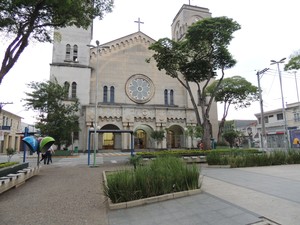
(118, 90)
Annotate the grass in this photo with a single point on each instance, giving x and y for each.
(162, 176)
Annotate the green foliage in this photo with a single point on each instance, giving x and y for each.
(194, 132)
(250, 158)
(57, 117)
(193, 152)
(196, 59)
(162, 176)
(222, 144)
(61, 153)
(235, 91)
(7, 164)
(23, 20)
(158, 135)
(10, 152)
(135, 160)
(230, 136)
(294, 62)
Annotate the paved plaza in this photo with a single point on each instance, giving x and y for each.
(70, 192)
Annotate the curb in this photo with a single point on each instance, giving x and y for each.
(15, 180)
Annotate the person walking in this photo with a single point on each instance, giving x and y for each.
(49, 153)
(44, 157)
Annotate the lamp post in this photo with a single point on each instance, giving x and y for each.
(262, 117)
(282, 101)
(295, 74)
(96, 97)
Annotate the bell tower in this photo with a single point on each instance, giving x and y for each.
(187, 15)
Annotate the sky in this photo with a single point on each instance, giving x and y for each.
(269, 31)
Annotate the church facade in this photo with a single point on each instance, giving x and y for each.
(119, 90)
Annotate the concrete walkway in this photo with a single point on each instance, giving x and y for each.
(72, 194)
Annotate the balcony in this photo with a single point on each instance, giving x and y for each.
(5, 127)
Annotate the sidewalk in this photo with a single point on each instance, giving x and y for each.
(73, 195)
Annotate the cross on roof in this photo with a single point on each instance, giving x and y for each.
(139, 23)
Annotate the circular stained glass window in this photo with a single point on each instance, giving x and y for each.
(139, 88)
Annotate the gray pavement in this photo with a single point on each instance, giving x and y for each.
(69, 192)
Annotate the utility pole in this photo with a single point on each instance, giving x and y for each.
(263, 138)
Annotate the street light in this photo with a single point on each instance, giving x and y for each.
(96, 96)
(282, 101)
(262, 117)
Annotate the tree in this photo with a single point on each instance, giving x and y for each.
(230, 136)
(158, 136)
(294, 62)
(196, 60)
(36, 19)
(10, 152)
(57, 117)
(194, 132)
(236, 91)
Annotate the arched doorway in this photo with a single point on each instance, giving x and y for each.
(175, 137)
(142, 138)
(110, 140)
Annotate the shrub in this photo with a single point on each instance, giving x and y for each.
(278, 157)
(293, 157)
(135, 160)
(10, 152)
(241, 158)
(7, 164)
(163, 175)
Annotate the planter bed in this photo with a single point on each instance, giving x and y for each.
(150, 200)
(12, 169)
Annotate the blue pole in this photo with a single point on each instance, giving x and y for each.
(24, 145)
(132, 144)
(89, 147)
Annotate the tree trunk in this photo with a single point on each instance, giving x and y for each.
(206, 134)
(221, 128)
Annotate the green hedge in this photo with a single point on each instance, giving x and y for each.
(7, 164)
(180, 153)
(249, 159)
(62, 153)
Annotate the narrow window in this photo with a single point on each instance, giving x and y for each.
(67, 87)
(74, 87)
(105, 94)
(68, 52)
(166, 97)
(75, 53)
(112, 94)
(171, 97)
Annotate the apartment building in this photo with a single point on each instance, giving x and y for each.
(275, 123)
(10, 129)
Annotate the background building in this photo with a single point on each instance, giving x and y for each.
(275, 126)
(10, 126)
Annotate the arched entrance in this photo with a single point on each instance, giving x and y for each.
(142, 138)
(175, 137)
(110, 140)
